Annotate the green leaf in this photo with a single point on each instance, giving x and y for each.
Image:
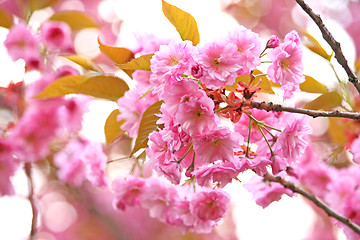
(83, 62)
(314, 46)
(184, 23)
(264, 85)
(107, 87)
(147, 126)
(75, 19)
(6, 19)
(140, 63)
(312, 86)
(326, 101)
(112, 126)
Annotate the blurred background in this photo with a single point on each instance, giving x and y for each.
(86, 213)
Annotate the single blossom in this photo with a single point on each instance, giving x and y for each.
(291, 140)
(220, 62)
(56, 35)
(127, 191)
(82, 160)
(286, 67)
(218, 144)
(249, 49)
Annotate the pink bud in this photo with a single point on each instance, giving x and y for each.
(197, 71)
(57, 35)
(273, 42)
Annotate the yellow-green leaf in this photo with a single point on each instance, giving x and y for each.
(313, 45)
(60, 86)
(184, 23)
(264, 85)
(312, 86)
(140, 63)
(337, 128)
(107, 87)
(83, 62)
(117, 54)
(40, 4)
(77, 20)
(112, 126)
(147, 126)
(6, 19)
(325, 101)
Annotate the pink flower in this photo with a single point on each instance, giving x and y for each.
(32, 135)
(56, 35)
(82, 160)
(131, 107)
(21, 42)
(178, 92)
(159, 198)
(242, 126)
(266, 192)
(127, 192)
(291, 139)
(219, 144)
(249, 49)
(172, 60)
(287, 68)
(196, 116)
(222, 173)
(220, 62)
(8, 166)
(210, 204)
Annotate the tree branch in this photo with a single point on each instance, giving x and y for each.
(329, 211)
(269, 106)
(332, 42)
(32, 202)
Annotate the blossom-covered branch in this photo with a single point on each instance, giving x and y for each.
(330, 212)
(332, 42)
(32, 202)
(269, 106)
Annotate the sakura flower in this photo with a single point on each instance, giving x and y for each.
(266, 192)
(249, 49)
(222, 173)
(172, 60)
(196, 116)
(219, 144)
(220, 63)
(131, 107)
(56, 35)
(82, 160)
(159, 198)
(8, 166)
(208, 207)
(21, 42)
(287, 68)
(127, 191)
(178, 92)
(291, 140)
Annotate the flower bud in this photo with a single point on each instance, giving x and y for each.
(273, 42)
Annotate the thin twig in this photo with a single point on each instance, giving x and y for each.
(328, 210)
(269, 106)
(32, 202)
(332, 42)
